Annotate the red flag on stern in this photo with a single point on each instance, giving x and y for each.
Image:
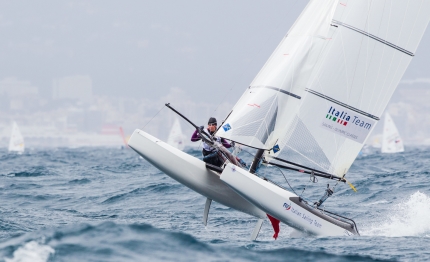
(275, 225)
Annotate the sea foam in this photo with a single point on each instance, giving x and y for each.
(407, 218)
(31, 252)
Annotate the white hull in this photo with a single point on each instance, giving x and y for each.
(189, 171)
(283, 205)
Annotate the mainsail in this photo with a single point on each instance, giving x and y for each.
(391, 140)
(16, 142)
(322, 91)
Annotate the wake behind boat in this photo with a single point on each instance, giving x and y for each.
(311, 108)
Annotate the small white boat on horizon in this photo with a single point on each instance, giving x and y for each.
(16, 142)
(391, 140)
(176, 138)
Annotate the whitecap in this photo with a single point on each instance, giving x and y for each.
(407, 218)
(31, 252)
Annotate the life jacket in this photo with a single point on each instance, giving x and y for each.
(208, 147)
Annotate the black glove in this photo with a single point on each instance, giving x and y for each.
(201, 128)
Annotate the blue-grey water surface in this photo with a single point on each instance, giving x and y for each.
(96, 204)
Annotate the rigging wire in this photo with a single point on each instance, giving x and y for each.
(248, 152)
(303, 188)
(312, 179)
(153, 117)
(287, 181)
(292, 189)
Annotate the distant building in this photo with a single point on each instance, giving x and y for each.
(16, 94)
(13, 87)
(73, 87)
(88, 120)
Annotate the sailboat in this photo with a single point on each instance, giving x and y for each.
(391, 140)
(309, 109)
(176, 137)
(16, 142)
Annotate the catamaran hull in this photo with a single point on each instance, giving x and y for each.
(283, 205)
(189, 171)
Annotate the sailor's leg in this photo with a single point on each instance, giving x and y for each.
(212, 159)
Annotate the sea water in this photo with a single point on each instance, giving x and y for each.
(97, 204)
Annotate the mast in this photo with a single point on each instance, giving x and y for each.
(256, 160)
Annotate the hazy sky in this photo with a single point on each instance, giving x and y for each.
(144, 48)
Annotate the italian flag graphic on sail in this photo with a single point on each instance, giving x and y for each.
(340, 117)
(336, 119)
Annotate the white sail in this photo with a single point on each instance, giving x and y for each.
(176, 137)
(391, 140)
(16, 142)
(322, 91)
(266, 106)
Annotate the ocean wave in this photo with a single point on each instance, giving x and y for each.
(109, 241)
(62, 196)
(294, 254)
(31, 252)
(159, 188)
(25, 186)
(32, 172)
(80, 181)
(410, 217)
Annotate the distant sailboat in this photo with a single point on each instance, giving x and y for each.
(391, 140)
(176, 137)
(16, 143)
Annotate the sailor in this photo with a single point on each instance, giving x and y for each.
(210, 153)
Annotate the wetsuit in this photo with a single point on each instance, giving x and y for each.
(209, 152)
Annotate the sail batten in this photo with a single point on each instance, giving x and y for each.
(373, 37)
(278, 89)
(341, 104)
